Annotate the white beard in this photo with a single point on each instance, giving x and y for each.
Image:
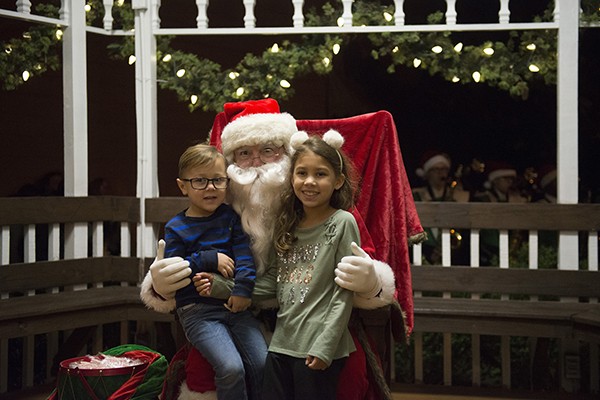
(254, 193)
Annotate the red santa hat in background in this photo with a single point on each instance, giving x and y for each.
(248, 123)
(430, 159)
(498, 169)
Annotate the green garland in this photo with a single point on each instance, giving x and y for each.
(511, 65)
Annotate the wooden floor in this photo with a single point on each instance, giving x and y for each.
(400, 392)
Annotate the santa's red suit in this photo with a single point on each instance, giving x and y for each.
(385, 213)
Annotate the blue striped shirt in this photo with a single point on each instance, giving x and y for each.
(199, 239)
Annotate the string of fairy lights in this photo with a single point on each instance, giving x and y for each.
(512, 64)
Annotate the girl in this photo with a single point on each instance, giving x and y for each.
(311, 340)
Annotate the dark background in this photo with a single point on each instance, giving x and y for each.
(467, 121)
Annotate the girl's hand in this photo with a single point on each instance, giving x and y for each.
(203, 283)
(313, 362)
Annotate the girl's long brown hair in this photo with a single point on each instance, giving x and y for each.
(293, 211)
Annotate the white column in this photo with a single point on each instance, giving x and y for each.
(399, 12)
(451, 12)
(567, 151)
(146, 110)
(567, 135)
(298, 17)
(249, 19)
(75, 120)
(202, 19)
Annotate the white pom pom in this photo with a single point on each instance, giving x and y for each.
(297, 139)
(334, 139)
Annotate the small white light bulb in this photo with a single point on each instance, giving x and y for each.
(458, 47)
(416, 62)
(275, 48)
(167, 58)
(388, 17)
(180, 73)
(488, 51)
(437, 49)
(476, 76)
(193, 99)
(531, 47)
(326, 61)
(25, 75)
(131, 60)
(336, 48)
(284, 84)
(534, 68)
(239, 92)
(340, 22)
(233, 75)
(455, 79)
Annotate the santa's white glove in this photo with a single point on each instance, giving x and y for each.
(357, 273)
(169, 274)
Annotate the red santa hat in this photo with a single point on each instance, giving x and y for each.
(498, 169)
(253, 122)
(431, 158)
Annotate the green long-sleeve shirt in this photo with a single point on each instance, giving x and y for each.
(313, 311)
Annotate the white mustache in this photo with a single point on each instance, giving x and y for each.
(268, 174)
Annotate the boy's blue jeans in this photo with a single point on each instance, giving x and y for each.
(232, 343)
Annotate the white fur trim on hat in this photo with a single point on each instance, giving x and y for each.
(501, 173)
(254, 129)
(427, 165)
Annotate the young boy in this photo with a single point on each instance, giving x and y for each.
(209, 235)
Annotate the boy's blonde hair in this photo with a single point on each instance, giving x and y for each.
(198, 155)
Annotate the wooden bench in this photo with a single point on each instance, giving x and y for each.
(75, 297)
(540, 303)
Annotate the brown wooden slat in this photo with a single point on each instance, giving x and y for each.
(47, 304)
(41, 275)
(162, 209)
(506, 281)
(25, 316)
(499, 326)
(497, 309)
(580, 217)
(44, 210)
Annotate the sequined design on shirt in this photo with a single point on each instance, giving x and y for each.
(295, 273)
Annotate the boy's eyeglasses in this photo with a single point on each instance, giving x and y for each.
(202, 183)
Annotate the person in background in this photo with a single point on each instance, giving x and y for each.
(499, 188)
(439, 186)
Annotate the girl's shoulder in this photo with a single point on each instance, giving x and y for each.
(343, 216)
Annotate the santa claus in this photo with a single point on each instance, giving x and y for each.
(255, 138)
